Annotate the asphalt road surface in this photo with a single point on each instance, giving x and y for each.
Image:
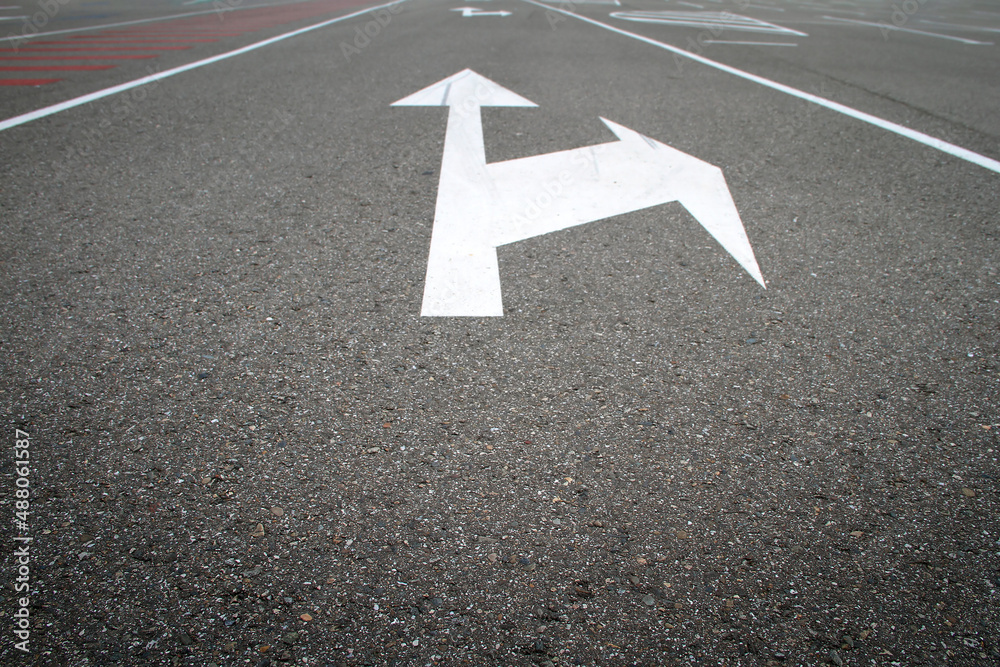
(253, 416)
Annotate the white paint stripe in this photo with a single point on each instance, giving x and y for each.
(722, 41)
(102, 26)
(889, 26)
(114, 90)
(690, 4)
(920, 137)
(955, 26)
(13, 18)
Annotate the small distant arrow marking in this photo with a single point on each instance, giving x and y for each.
(482, 206)
(473, 11)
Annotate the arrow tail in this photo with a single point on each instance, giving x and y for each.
(549, 193)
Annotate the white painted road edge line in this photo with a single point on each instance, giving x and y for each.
(920, 137)
(114, 90)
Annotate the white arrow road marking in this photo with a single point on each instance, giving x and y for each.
(473, 11)
(482, 206)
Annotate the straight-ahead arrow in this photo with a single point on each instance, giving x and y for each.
(482, 206)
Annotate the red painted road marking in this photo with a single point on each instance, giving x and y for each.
(121, 41)
(175, 71)
(61, 49)
(280, 14)
(109, 57)
(45, 68)
(187, 33)
(26, 82)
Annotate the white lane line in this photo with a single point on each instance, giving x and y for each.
(159, 76)
(102, 26)
(920, 137)
(889, 26)
(955, 26)
(13, 18)
(724, 41)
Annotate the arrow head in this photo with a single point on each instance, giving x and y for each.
(466, 89)
(702, 190)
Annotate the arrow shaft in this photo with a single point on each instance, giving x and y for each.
(547, 193)
(464, 147)
(463, 274)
